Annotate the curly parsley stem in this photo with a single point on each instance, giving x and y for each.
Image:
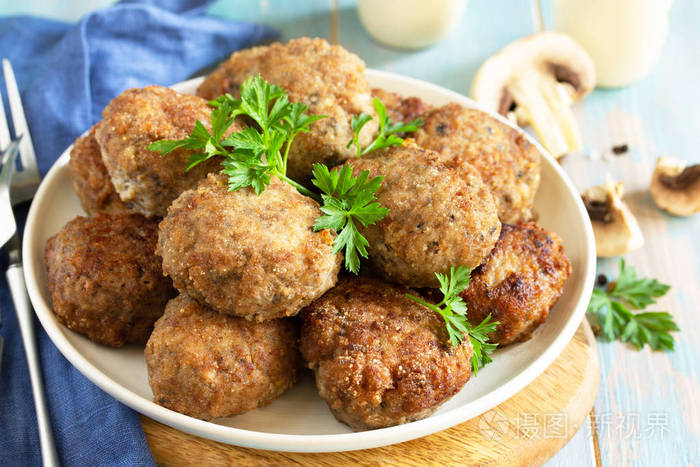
(435, 308)
(300, 188)
(286, 154)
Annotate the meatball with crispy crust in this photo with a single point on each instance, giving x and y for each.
(207, 365)
(438, 216)
(327, 78)
(105, 279)
(400, 108)
(518, 283)
(380, 359)
(90, 178)
(252, 256)
(507, 162)
(146, 180)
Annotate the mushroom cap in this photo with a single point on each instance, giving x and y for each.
(617, 232)
(550, 53)
(681, 198)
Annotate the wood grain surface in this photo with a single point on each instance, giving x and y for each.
(527, 429)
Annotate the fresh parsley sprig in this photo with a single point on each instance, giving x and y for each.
(388, 131)
(609, 309)
(257, 152)
(453, 310)
(348, 200)
(637, 292)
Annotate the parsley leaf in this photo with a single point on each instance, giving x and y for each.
(249, 172)
(166, 146)
(255, 153)
(256, 96)
(348, 200)
(479, 336)
(222, 116)
(617, 321)
(388, 131)
(637, 292)
(357, 122)
(453, 310)
(199, 140)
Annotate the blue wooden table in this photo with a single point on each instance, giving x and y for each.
(648, 407)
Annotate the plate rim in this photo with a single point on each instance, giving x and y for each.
(329, 442)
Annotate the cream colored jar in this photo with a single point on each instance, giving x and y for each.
(410, 24)
(624, 37)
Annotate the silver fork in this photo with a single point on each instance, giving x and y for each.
(22, 186)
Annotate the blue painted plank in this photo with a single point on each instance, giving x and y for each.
(291, 18)
(578, 451)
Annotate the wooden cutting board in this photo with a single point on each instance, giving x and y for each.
(527, 429)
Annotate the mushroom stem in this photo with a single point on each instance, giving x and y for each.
(616, 230)
(544, 104)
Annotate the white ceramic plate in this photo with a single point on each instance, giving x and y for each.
(300, 420)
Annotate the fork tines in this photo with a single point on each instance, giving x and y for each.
(24, 181)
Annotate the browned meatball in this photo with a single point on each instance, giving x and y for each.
(146, 180)
(90, 179)
(439, 216)
(400, 108)
(248, 255)
(327, 78)
(207, 365)
(507, 162)
(104, 278)
(380, 359)
(518, 283)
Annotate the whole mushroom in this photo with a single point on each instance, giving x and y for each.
(615, 229)
(535, 80)
(675, 187)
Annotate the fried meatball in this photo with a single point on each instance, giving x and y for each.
(90, 179)
(507, 162)
(518, 283)
(252, 256)
(104, 278)
(438, 216)
(327, 78)
(207, 365)
(146, 180)
(400, 108)
(380, 359)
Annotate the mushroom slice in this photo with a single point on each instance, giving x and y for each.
(615, 228)
(675, 187)
(536, 79)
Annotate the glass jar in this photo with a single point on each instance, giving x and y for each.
(410, 24)
(624, 37)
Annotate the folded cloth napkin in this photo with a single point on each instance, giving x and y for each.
(67, 73)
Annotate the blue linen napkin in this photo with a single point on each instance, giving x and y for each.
(67, 74)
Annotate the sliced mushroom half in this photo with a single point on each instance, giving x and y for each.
(536, 79)
(615, 228)
(675, 186)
